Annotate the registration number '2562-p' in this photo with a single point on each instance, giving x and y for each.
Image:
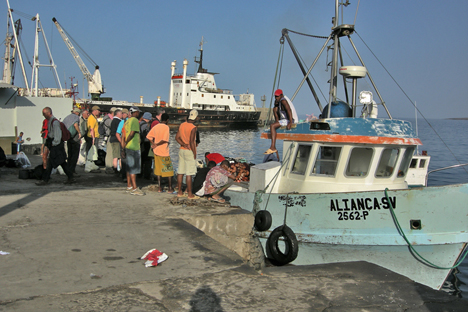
(359, 208)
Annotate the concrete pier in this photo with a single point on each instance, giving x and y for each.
(76, 248)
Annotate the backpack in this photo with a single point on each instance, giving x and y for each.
(72, 131)
(144, 130)
(104, 128)
(65, 133)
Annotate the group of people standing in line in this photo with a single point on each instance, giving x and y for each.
(130, 141)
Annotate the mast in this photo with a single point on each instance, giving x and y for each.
(334, 69)
(200, 60)
(19, 50)
(7, 58)
(37, 64)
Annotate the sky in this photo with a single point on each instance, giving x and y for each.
(421, 44)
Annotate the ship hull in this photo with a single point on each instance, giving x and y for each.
(335, 227)
(206, 118)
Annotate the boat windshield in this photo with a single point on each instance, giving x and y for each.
(327, 160)
(359, 161)
(407, 156)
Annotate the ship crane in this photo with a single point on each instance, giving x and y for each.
(95, 87)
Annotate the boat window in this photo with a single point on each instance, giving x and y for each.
(405, 161)
(327, 160)
(387, 162)
(422, 163)
(301, 160)
(359, 162)
(414, 163)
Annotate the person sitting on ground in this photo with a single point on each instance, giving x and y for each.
(217, 181)
(285, 116)
(216, 157)
(159, 139)
(201, 176)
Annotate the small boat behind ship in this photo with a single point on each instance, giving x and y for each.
(342, 189)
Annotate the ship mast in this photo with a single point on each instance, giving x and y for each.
(200, 60)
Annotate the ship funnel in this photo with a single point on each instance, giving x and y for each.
(354, 72)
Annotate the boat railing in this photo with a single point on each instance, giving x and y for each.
(444, 168)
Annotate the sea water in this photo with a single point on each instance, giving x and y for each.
(446, 141)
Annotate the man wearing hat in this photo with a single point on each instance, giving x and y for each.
(145, 145)
(131, 145)
(186, 137)
(119, 134)
(106, 122)
(93, 128)
(285, 116)
(72, 122)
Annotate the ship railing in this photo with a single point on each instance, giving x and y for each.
(444, 168)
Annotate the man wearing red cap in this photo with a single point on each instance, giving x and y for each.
(283, 117)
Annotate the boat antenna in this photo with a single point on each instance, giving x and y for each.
(416, 118)
(200, 60)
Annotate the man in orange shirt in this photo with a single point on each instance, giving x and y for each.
(159, 138)
(187, 154)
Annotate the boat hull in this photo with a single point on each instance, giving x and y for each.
(358, 226)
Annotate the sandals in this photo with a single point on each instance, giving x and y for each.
(270, 151)
(194, 197)
(218, 200)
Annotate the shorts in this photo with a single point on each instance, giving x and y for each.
(283, 122)
(133, 161)
(187, 164)
(115, 150)
(163, 166)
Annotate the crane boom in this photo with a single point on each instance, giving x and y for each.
(94, 81)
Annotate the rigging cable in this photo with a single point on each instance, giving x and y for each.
(279, 64)
(355, 16)
(411, 101)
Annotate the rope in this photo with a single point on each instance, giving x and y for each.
(302, 34)
(259, 193)
(279, 65)
(421, 258)
(411, 101)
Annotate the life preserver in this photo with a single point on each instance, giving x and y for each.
(262, 220)
(290, 242)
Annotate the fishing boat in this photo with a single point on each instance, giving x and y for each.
(340, 192)
(217, 108)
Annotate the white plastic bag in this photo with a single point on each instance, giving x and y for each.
(22, 160)
(82, 157)
(92, 154)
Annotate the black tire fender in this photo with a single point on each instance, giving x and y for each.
(262, 220)
(290, 242)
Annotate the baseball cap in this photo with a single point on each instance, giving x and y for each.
(95, 107)
(278, 92)
(125, 111)
(76, 110)
(134, 109)
(113, 109)
(193, 114)
(147, 115)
